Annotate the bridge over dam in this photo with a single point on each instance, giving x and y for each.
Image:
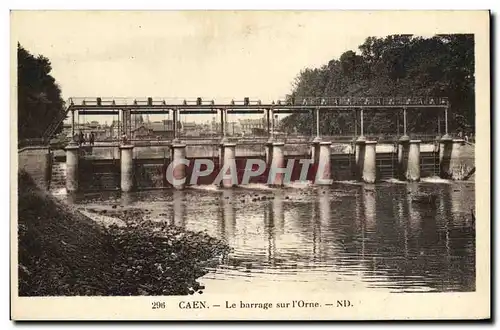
(128, 164)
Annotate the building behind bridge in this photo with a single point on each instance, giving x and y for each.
(152, 130)
(253, 126)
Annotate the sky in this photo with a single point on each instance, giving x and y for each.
(219, 55)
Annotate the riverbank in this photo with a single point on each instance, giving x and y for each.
(64, 253)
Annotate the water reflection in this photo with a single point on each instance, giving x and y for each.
(127, 199)
(402, 237)
(276, 207)
(400, 212)
(369, 205)
(178, 209)
(72, 198)
(270, 217)
(228, 218)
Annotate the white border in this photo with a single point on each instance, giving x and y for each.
(145, 4)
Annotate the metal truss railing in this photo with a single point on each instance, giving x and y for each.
(303, 102)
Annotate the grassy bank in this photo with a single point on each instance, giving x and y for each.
(62, 252)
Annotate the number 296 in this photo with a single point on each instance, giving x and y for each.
(157, 305)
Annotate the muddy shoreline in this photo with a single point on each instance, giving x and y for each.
(63, 252)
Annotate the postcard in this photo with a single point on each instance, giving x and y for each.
(250, 165)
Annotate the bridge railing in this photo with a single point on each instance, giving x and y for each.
(347, 101)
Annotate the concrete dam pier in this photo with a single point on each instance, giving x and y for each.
(138, 167)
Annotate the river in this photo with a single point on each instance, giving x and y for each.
(389, 237)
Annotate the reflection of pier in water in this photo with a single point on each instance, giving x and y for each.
(414, 250)
(228, 218)
(385, 234)
(178, 209)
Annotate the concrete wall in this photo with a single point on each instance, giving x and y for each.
(36, 161)
(212, 150)
(196, 151)
(152, 152)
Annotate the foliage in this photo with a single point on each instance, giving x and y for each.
(39, 96)
(397, 65)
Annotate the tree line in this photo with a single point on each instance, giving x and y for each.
(39, 99)
(397, 65)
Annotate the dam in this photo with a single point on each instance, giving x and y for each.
(127, 164)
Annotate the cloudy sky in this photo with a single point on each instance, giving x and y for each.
(215, 55)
